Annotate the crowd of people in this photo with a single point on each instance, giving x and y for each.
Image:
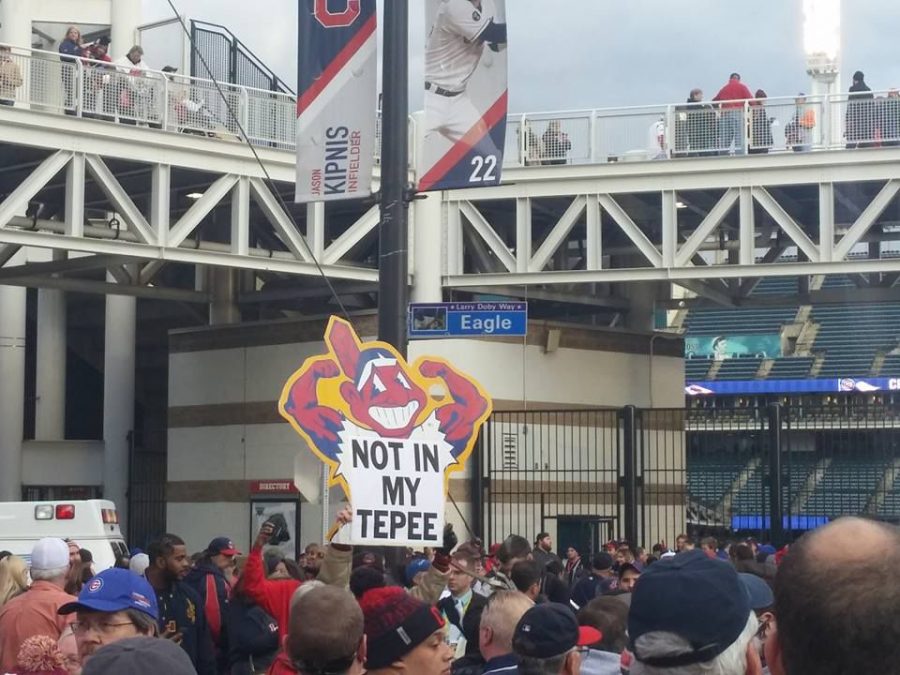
(724, 126)
(125, 90)
(827, 604)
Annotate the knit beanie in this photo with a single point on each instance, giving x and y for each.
(395, 624)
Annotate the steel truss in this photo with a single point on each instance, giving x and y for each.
(712, 226)
(744, 231)
(145, 240)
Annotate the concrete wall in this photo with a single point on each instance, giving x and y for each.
(224, 429)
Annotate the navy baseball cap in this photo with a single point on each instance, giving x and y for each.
(551, 629)
(694, 597)
(222, 545)
(758, 591)
(114, 590)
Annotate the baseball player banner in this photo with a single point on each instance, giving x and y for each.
(465, 94)
(336, 99)
(390, 432)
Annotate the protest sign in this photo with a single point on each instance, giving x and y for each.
(390, 432)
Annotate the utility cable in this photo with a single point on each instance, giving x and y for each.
(268, 178)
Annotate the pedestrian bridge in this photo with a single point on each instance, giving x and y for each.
(139, 175)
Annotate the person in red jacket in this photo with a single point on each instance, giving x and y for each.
(731, 122)
(274, 596)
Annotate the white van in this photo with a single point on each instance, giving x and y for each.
(93, 524)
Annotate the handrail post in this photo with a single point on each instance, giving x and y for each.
(78, 88)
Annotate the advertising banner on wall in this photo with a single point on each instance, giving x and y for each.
(825, 385)
(390, 432)
(336, 100)
(465, 94)
(721, 347)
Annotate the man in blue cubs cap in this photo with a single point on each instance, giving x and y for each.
(547, 637)
(112, 606)
(691, 610)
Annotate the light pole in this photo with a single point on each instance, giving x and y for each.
(822, 45)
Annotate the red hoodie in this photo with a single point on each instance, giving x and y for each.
(281, 666)
(735, 91)
(272, 596)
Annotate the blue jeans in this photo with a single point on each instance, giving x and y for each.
(730, 131)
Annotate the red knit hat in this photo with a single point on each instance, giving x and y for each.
(395, 624)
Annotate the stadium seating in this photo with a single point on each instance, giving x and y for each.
(711, 475)
(847, 486)
(849, 336)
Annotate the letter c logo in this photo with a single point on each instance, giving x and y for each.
(331, 19)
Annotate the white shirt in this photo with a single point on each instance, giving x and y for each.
(656, 140)
(453, 49)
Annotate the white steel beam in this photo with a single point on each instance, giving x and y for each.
(18, 199)
(454, 239)
(594, 235)
(786, 223)
(120, 200)
(352, 236)
(677, 274)
(709, 223)
(523, 234)
(826, 222)
(315, 228)
(488, 234)
(746, 227)
(75, 196)
(866, 219)
(669, 228)
(160, 204)
(558, 234)
(213, 195)
(187, 255)
(284, 225)
(631, 230)
(240, 216)
(7, 252)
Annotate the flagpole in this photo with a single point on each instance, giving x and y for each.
(393, 254)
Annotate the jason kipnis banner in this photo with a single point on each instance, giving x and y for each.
(465, 94)
(336, 99)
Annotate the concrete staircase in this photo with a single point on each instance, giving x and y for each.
(885, 485)
(739, 484)
(878, 362)
(765, 368)
(809, 487)
(714, 370)
(816, 367)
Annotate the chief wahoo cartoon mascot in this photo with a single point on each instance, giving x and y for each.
(363, 396)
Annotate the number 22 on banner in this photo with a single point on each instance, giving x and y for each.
(483, 169)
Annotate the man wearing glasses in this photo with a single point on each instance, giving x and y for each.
(112, 606)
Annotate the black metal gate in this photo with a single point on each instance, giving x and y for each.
(229, 60)
(770, 472)
(540, 466)
(146, 496)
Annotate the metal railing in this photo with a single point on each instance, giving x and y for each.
(44, 81)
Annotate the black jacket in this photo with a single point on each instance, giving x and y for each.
(212, 587)
(448, 608)
(180, 609)
(252, 637)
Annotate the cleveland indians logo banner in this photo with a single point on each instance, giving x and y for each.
(465, 94)
(390, 432)
(336, 99)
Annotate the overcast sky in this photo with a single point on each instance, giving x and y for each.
(574, 54)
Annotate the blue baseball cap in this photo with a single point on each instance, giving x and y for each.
(693, 596)
(758, 591)
(114, 590)
(415, 566)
